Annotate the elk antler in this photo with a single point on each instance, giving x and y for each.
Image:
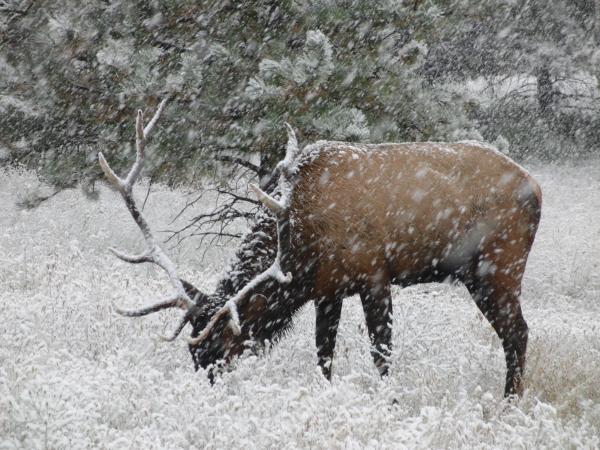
(287, 167)
(153, 254)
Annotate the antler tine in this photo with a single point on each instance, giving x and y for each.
(205, 332)
(140, 145)
(291, 152)
(172, 302)
(141, 134)
(274, 205)
(133, 259)
(292, 148)
(286, 167)
(110, 174)
(182, 323)
(156, 116)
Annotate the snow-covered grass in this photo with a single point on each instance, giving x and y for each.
(73, 374)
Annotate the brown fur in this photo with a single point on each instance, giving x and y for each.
(400, 209)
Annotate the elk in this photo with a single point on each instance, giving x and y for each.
(349, 219)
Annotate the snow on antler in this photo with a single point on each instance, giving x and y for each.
(290, 162)
(275, 206)
(154, 253)
(287, 169)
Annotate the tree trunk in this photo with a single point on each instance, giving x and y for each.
(546, 95)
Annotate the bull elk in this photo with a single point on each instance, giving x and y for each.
(350, 219)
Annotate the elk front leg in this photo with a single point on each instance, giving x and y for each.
(377, 306)
(328, 312)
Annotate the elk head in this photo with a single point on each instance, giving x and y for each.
(221, 330)
(252, 315)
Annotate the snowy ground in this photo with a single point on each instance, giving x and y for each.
(73, 374)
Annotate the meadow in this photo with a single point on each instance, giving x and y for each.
(74, 374)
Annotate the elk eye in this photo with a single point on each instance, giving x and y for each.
(257, 304)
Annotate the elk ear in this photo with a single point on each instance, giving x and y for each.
(195, 294)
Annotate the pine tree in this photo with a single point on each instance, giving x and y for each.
(238, 70)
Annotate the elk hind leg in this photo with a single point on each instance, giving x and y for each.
(377, 307)
(501, 307)
(328, 312)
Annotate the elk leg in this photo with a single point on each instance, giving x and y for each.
(328, 314)
(377, 306)
(501, 307)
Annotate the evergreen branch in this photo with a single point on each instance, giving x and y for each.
(239, 161)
